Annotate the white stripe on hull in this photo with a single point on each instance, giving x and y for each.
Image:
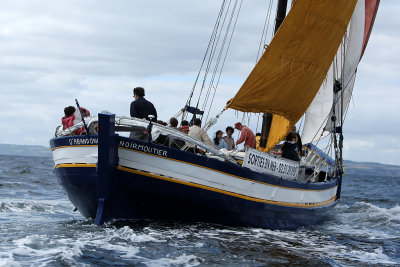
(200, 175)
(195, 174)
(75, 154)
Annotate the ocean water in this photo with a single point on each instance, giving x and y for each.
(38, 227)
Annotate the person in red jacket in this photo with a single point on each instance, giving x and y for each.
(246, 136)
(69, 118)
(73, 117)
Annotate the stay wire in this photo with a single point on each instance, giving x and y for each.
(265, 30)
(226, 53)
(219, 55)
(219, 60)
(212, 53)
(206, 53)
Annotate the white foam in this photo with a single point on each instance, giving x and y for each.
(368, 221)
(182, 260)
(7, 259)
(36, 206)
(375, 257)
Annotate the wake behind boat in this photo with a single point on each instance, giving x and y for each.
(108, 176)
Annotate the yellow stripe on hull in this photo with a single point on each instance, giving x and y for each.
(169, 179)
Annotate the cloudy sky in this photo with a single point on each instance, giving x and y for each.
(52, 52)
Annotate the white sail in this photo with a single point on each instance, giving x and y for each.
(320, 110)
(352, 58)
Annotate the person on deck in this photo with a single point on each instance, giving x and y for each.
(197, 133)
(174, 141)
(290, 148)
(184, 127)
(258, 139)
(246, 136)
(68, 119)
(230, 142)
(297, 140)
(72, 117)
(219, 142)
(141, 108)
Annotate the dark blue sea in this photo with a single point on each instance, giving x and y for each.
(38, 227)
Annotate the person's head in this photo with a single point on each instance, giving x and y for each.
(184, 129)
(162, 122)
(291, 137)
(293, 129)
(238, 126)
(69, 111)
(197, 122)
(229, 131)
(258, 134)
(138, 92)
(173, 122)
(85, 112)
(218, 136)
(184, 123)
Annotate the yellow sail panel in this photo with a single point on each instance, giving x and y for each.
(280, 127)
(290, 72)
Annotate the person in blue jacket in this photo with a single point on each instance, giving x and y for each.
(219, 142)
(142, 108)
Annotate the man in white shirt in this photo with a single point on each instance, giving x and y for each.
(196, 132)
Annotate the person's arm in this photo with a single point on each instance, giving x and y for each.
(242, 136)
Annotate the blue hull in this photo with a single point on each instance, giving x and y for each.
(137, 196)
(127, 194)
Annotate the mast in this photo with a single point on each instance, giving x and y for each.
(267, 117)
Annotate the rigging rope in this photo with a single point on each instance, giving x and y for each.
(206, 53)
(226, 53)
(265, 30)
(220, 53)
(214, 61)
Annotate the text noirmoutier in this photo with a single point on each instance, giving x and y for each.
(143, 148)
(123, 144)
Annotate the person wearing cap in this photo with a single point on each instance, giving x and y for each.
(197, 133)
(246, 136)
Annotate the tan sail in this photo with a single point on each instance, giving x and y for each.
(289, 74)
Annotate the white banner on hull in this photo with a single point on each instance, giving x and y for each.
(265, 163)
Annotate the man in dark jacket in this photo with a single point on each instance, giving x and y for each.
(141, 108)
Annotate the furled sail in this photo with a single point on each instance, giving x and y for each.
(349, 53)
(293, 67)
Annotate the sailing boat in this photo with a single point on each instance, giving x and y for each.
(111, 177)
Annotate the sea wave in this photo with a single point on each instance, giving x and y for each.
(24, 206)
(368, 213)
